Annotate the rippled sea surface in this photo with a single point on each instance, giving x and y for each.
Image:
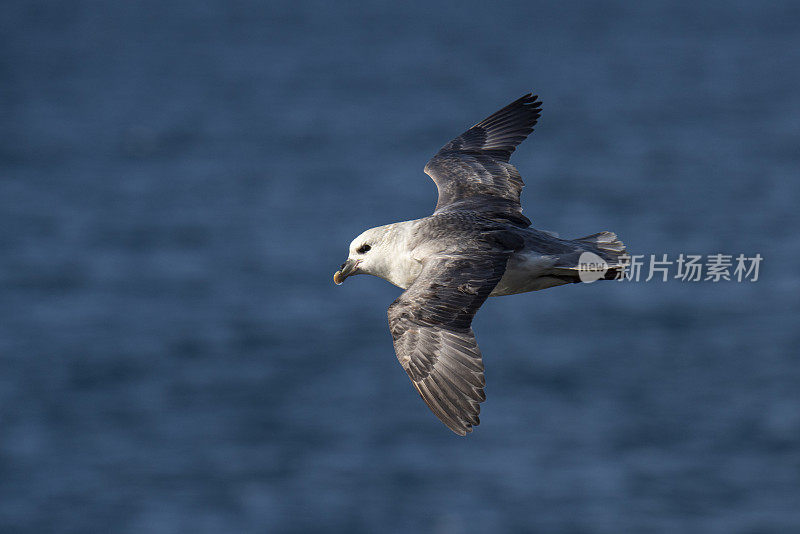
(178, 182)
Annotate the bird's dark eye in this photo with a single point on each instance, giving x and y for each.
(363, 248)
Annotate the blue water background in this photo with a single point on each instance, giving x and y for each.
(179, 180)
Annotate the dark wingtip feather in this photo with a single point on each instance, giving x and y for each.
(506, 128)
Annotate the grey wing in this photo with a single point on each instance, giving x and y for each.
(472, 171)
(431, 328)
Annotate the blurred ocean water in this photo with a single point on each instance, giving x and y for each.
(178, 182)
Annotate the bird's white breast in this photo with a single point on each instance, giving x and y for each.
(395, 261)
(403, 270)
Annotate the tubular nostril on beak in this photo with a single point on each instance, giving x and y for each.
(342, 267)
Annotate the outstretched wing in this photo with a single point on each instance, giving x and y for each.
(430, 325)
(472, 171)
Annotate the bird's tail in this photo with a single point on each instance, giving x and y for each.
(608, 246)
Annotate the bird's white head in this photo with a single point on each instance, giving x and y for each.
(370, 253)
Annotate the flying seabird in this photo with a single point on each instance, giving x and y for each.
(476, 244)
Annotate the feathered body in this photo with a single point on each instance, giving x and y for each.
(476, 244)
(538, 260)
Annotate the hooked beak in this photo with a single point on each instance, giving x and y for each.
(348, 268)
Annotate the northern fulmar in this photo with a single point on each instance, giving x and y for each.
(477, 244)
